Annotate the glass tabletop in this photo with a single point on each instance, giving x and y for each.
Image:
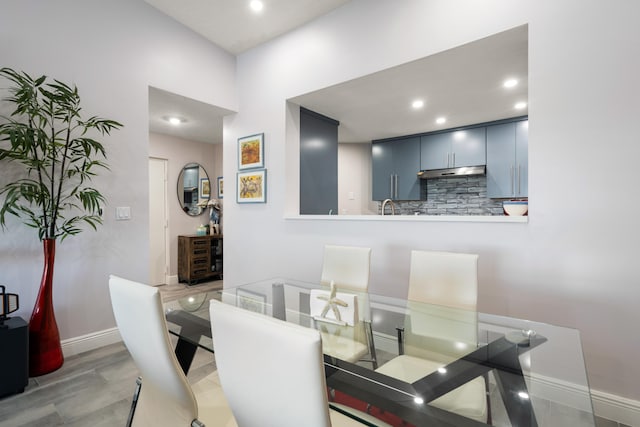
(533, 372)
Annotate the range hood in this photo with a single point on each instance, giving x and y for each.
(452, 172)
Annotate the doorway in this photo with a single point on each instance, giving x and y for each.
(158, 222)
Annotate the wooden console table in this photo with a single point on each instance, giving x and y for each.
(199, 258)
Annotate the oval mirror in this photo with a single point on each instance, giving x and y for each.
(193, 189)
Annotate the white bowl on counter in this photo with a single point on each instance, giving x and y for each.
(515, 207)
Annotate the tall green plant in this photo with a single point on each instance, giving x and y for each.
(48, 136)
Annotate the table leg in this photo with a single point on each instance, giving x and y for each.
(185, 351)
(513, 389)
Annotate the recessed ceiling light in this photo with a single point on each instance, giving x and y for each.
(441, 120)
(520, 105)
(256, 5)
(510, 83)
(418, 103)
(174, 120)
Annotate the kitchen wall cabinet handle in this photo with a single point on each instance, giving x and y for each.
(453, 156)
(511, 175)
(395, 192)
(448, 160)
(519, 190)
(391, 186)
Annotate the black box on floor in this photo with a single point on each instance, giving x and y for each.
(14, 356)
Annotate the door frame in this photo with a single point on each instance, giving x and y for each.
(165, 212)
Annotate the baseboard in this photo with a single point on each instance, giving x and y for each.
(616, 408)
(77, 345)
(173, 280)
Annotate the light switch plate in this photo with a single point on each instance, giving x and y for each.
(123, 213)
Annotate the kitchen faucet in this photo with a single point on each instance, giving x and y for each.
(384, 204)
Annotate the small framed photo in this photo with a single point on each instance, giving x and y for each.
(205, 188)
(251, 301)
(251, 152)
(220, 187)
(252, 186)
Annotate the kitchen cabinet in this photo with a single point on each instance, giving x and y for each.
(507, 159)
(199, 258)
(191, 177)
(395, 164)
(452, 149)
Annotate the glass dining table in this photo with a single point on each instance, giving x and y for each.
(533, 373)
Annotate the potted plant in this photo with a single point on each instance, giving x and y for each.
(47, 135)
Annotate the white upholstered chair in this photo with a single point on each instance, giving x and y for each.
(348, 267)
(166, 398)
(271, 371)
(450, 280)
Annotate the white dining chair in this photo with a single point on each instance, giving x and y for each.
(348, 268)
(449, 280)
(165, 397)
(272, 371)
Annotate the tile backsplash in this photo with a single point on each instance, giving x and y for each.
(465, 195)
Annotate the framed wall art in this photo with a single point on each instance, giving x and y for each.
(205, 188)
(220, 187)
(252, 186)
(251, 152)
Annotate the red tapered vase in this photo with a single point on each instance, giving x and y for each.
(45, 352)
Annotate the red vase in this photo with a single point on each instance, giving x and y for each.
(45, 352)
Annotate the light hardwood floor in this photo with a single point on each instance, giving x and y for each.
(91, 389)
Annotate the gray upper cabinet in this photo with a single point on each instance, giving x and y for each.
(507, 160)
(453, 149)
(395, 164)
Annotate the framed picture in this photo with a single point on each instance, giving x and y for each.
(251, 152)
(205, 188)
(251, 301)
(252, 186)
(220, 187)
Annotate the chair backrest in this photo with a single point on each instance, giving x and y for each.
(166, 399)
(271, 371)
(448, 281)
(347, 266)
(444, 278)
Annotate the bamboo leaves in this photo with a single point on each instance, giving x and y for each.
(47, 135)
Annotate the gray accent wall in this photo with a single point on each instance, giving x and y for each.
(318, 164)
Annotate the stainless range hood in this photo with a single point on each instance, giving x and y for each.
(452, 172)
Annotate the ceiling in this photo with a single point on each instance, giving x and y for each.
(201, 122)
(463, 84)
(233, 26)
(219, 21)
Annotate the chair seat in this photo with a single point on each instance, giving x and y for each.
(213, 409)
(343, 348)
(468, 400)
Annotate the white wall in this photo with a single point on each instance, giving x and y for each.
(354, 180)
(574, 263)
(113, 51)
(179, 152)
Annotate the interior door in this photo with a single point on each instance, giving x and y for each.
(158, 222)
